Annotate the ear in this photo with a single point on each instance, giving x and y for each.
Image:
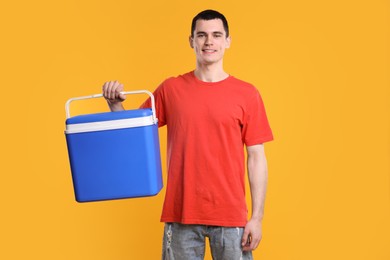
(228, 42)
(191, 42)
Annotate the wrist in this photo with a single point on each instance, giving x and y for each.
(115, 106)
(257, 218)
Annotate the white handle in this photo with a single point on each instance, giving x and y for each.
(124, 92)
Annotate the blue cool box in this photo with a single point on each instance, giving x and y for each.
(114, 155)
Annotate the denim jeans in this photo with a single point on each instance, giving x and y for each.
(187, 242)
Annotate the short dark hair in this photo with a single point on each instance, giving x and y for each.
(210, 15)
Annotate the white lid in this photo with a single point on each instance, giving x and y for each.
(109, 125)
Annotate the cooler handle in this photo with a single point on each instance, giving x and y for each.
(123, 92)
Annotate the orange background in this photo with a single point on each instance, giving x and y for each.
(322, 69)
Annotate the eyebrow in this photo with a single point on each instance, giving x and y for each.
(202, 32)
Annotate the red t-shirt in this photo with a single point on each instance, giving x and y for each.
(208, 125)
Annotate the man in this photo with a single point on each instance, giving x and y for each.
(210, 116)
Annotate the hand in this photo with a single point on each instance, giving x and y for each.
(111, 92)
(252, 235)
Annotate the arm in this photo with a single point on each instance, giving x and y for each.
(257, 175)
(111, 92)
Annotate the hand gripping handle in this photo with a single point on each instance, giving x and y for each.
(124, 92)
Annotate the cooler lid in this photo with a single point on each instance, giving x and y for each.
(109, 121)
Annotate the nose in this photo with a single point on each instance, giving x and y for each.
(208, 41)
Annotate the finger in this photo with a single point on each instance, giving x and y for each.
(104, 90)
(115, 91)
(112, 90)
(107, 89)
(116, 88)
(121, 96)
(246, 248)
(255, 242)
(110, 87)
(120, 87)
(245, 237)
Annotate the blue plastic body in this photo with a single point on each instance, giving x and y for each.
(115, 164)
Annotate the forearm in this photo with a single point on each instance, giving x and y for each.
(258, 177)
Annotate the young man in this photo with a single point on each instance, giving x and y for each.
(210, 116)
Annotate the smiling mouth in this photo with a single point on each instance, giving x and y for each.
(209, 51)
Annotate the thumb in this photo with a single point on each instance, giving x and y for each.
(244, 238)
(122, 96)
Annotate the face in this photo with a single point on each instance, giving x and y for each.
(209, 41)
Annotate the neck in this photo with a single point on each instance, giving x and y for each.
(210, 73)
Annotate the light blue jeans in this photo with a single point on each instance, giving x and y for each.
(187, 242)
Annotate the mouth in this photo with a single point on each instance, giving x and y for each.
(208, 51)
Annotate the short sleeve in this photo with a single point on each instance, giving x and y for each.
(256, 129)
(159, 103)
